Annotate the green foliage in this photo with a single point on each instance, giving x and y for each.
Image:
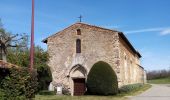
(18, 58)
(102, 80)
(46, 92)
(20, 84)
(44, 77)
(44, 73)
(21, 58)
(31, 85)
(2, 94)
(130, 87)
(18, 54)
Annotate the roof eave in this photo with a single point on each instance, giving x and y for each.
(44, 40)
(129, 44)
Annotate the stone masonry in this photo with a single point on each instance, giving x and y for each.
(97, 44)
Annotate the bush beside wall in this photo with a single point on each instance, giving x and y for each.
(130, 87)
(102, 80)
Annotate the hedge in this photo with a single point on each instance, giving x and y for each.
(130, 87)
(20, 84)
(102, 80)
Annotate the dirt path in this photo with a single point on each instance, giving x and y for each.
(156, 92)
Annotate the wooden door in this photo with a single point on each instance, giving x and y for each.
(79, 86)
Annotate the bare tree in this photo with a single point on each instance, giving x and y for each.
(8, 40)
(156, 74)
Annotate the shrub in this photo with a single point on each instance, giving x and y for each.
(102, 80)
(2, 94)
(31, 85)
(20, 84)
(130, 87)
(46, 92)
(44, 77)
(21, 58)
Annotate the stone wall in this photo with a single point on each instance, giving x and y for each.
(97, 44)
(131, 71)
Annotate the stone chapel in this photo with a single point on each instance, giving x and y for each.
(74, 50)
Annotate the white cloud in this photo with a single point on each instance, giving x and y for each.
(165, 32)
(161, 30)
(144, 30)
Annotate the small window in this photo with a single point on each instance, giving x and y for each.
(78, 32)
(78, 46)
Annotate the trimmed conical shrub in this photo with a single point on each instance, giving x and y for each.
(102, 80)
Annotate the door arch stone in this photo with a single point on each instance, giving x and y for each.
(78, 71)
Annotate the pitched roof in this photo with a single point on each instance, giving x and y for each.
(45, 40)
(120, 34)
(129, 44)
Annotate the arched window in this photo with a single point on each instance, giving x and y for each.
(78, 32)
(78, 46)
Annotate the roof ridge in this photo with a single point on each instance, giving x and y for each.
(82, 23)
(96, 26)
(79, 23)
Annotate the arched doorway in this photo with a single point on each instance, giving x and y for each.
(78, 76)
(102, 80)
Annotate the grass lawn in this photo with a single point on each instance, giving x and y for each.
(136, 91)
(92, 97)
(160, 81)
(55, 97)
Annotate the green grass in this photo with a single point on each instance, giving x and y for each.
(160, 81)
(55, 97)
(92, 97)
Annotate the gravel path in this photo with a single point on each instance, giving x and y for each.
(156, 92)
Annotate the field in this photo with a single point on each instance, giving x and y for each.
(54, 97)
(121, 96)
(160, 81)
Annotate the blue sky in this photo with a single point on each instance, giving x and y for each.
(146, 23)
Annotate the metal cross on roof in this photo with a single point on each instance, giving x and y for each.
(80, 17)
